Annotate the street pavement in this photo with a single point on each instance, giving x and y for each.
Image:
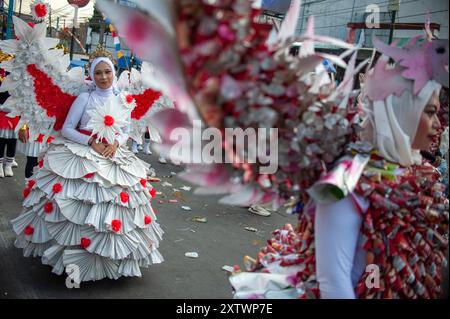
(222, 240)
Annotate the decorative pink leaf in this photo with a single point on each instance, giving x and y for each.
(382, 82)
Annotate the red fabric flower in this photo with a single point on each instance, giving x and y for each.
(48, 208)
(31, 183)
(41, 163)
(29, 230)
(41, 10)
(124, 197)
(147, 219)
(50, 139)
(89, 175)
(109, 120)
(153, 192)
(85, 242)
(116, 225)
(57, 188)
(129, 98)
(31, 24)
(26, 192)
(144, 182)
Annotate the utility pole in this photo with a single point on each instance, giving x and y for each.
(9, 19)
(50, 20)
(394, 6)
(102, 32)
(57, 23)
(20, 8)
(72, 41)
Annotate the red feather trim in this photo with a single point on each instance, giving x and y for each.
(144, 102)
(50, 97)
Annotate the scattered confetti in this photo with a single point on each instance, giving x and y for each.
(199, 219)
(187, 208)
(191, 255)
(252, 229)
(166, 184)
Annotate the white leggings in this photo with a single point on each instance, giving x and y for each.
(340, 259)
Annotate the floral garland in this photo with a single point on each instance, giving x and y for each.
(405, 229)
(237, 80)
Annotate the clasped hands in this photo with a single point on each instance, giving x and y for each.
(105, 149)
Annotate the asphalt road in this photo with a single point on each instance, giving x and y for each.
(222, 240)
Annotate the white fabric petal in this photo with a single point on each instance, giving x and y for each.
(33, 198)
(111, 245)
(91, 266)
(31, 249)
(62, 162)
(53, 256)
(116, 175)
(40, 235)
(74, 210)
(65, 233)
(93, 193)
(130, 268)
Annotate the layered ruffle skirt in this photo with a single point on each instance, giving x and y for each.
(86, 211)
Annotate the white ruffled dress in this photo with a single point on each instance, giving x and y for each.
(87, 211)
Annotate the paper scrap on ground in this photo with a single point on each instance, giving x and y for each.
(191, 254)
(199, 219)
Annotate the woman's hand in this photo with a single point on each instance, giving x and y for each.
(23, 135)
(110, 149)
(98, 147)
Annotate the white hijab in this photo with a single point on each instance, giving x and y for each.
(92, 70)
(391, 124)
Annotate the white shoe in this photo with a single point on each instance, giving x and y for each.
(147, 149)
(14, 164)
(134, 148)
(140, 148)
(2, 173)
(151, 172)
(259, 210)
(9, 171)
(162, 160)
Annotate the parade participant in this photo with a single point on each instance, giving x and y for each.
(31, 149)
(8, 137)
(232, 72)
(88, 206)
(8, 140)
(380, 207)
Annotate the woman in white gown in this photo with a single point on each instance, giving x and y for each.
(88, 205)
